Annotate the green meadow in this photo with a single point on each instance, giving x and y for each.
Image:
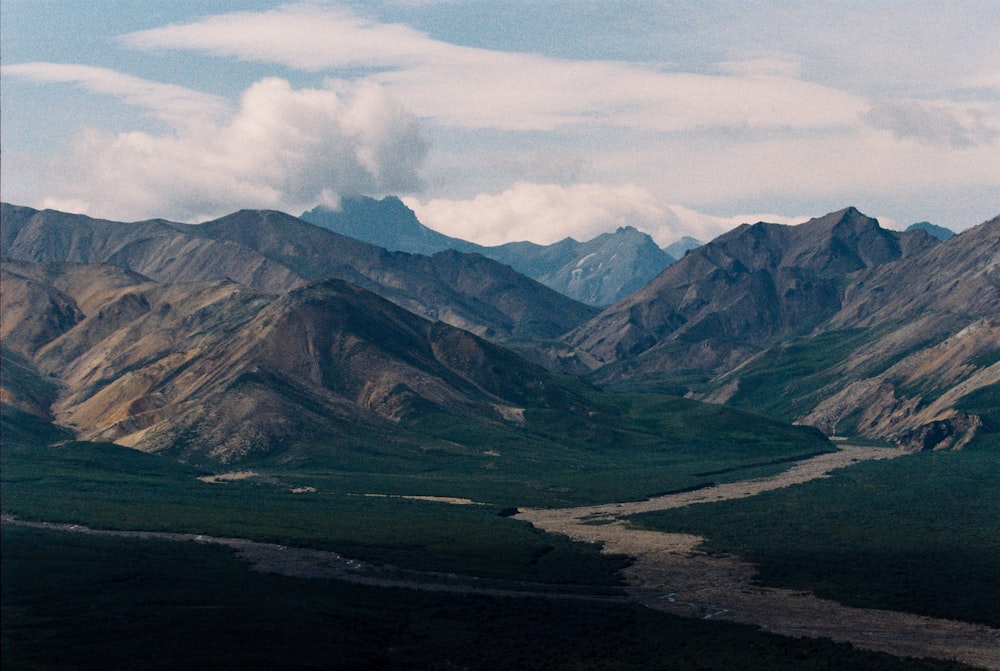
(920, 533)
(72, 601)
(83, 602)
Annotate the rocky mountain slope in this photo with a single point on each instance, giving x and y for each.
(137, 332)
(596, 272)
(275, 252)
(836, 323)
(742, 292)
(934, 350)
(327, 373)
(217, 370)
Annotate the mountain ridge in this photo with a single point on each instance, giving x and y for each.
(597, 272)
(836, 323)
(275, 252)
(892, 335)
(753, 285)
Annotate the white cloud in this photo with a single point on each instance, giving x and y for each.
(311, 38)
(282, 148)
(765, 66)
(899, 109)
(984, 80)
(547, 213)
(176, 105)
(960, 126)
(479, 88)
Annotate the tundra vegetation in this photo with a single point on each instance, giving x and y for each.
(88, 602)
(260, 378)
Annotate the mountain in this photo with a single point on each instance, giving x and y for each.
(217, 370)
(387, 223)
(682, 247)
(597, 272)
(327, 372)
(275, 252)
(259, 324)
(939, 232)
(741, 292)
(929, 375)
(836, 323)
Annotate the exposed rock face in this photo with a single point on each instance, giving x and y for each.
(952, 433)
(745, 290)
(216, 370)
(917, 320)
(275, 253)
(597, 272)
(918, 400)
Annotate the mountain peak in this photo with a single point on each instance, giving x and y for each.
(746, 289)
(849, 217)
(939, 232)
(387, 223)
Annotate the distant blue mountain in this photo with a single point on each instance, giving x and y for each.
(939, 232)
(601, 271)
(682, 247)
(387, 223)
(597, 272)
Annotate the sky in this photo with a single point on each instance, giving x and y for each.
(504, 120)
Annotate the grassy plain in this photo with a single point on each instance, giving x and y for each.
(72, 601)
(644, 446)
(920, 534)
(84, 602)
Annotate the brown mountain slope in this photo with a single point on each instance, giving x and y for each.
(34, 312)
(912, 356)
(742, 292)
(465, 290)
(275, 252)
(186, 258)
(834, 323)
(160, 250)
(936, 346)
(958, 276)
(36, 309)
(220, 371)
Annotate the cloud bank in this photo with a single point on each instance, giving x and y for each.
(961, 127)
(733, 113)
(176, 105)
(470, 87)
(281, 148)
(547, 213)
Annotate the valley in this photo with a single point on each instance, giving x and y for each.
(469, 335)
(776, 445)
(667, 572)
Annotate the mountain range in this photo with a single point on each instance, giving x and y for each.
(259, 332)
(837, 323)
(597, 272)
(146, 364)
(275, 252)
